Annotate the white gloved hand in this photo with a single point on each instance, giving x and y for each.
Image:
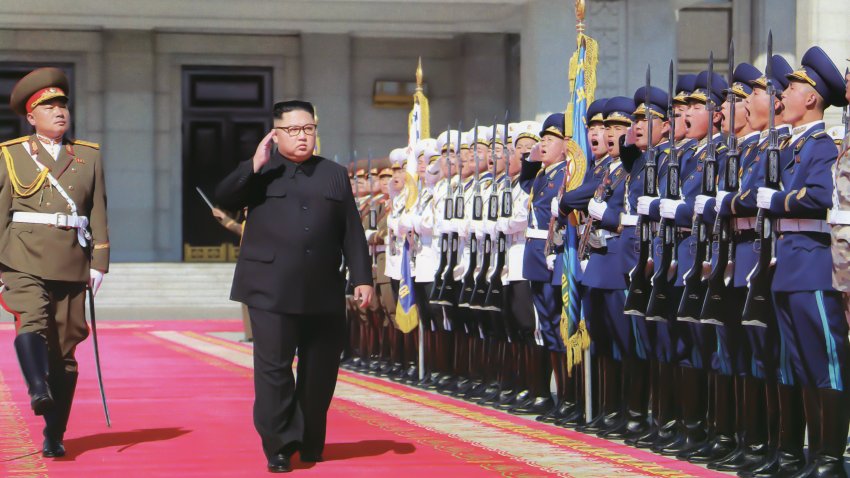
(720, 196)
(669, 206)
(416, 223)
(463, 228)
(490, 228)
(699, 203)
(555, 206)
(502, 225)
(765, 197)
(550, 262)
(95, 279)
(535, 156)
(448, 226)
(596, 209)
(643, 204)
(583, 265)
(405, 224)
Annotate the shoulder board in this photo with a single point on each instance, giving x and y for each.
(721, 147)
(15, 141)
(784, 142)
(819, 134)
(86, 143)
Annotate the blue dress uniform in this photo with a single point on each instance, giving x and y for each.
(809, 311)
(605, 279)
(694, 341)
(542, 185)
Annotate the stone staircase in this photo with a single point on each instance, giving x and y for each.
(163, 291)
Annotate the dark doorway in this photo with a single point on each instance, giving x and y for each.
(226, 112)
(11, 125)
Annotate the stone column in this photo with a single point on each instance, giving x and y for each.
(326, 81)
(547, 41)
(650, 40)
(824, 23)
(484, 84)
(128, 142)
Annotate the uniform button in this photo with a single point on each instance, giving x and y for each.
(73, 170)
(304, 207)
(68, 207)
(70, 188)
(309, 251)
(47, 204)
(306, 228)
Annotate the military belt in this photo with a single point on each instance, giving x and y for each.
(628, 220)
(60, 220)
(838, 217)
(532, 233)
(803, 225)
(745, 223)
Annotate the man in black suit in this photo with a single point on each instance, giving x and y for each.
(302, 223)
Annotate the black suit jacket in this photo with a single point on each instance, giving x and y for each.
(299, 228)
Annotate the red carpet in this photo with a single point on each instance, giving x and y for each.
(180, 400)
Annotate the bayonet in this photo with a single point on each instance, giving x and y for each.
(373, 211)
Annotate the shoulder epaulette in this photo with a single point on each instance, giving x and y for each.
(86, 143)
(819, 134)
(15, 141)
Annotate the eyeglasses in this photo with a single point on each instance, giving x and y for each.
(308, 129)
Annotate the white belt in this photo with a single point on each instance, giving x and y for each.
(380, 248)
(628, 220)
(80, 223)
(838, 217)
(803, 225)
(532, 233)
(745, 223)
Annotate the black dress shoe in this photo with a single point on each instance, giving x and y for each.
(716, 449)
(279, 464)
(311, 457)
(53, 448)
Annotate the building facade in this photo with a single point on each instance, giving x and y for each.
(178, 91)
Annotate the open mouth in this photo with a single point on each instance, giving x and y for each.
(688, 123)
(594, 143)
(610, 144)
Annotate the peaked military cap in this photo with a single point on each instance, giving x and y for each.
(657, 102)
(684, 88)
(701, 93)
(595, 112)
(37, 87)
(553, 125)
(742, 79)
(527, 129)
(819, 71)
(619, 109)
(781, 68)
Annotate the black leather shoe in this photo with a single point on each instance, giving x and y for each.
(716, 449)
(307, 457)
(53, 448)
(279, 464)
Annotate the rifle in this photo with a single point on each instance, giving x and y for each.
(493, 300)
(448, 213)
(450, 286)
(468, 287)
(373, 212)
(664, 278)
(718, 290)
(695, 285)
(479, 294)
(758, 306)
(639, 277)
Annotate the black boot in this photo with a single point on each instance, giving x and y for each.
(788, 458)
(753, 422)
(722, 443)
(32, 355)
(691, 432)
(56, 419)
(638, 396)
(829, 460)
(614, 409)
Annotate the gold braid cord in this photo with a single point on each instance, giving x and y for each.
(18, 188)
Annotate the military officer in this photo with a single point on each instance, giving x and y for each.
(54, 243)
(809, 310)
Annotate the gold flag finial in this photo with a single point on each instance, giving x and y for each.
(580, 7)
(419, 75)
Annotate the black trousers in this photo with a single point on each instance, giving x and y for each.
(291, 414)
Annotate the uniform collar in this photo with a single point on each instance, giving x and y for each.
(799, 131)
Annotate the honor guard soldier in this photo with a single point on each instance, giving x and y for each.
(542, 177)
(377, 313)
(532, 377)
(809, 310)
(695, 342)
(54, 244)
(662, 312)
(604, 276)
(577, 200)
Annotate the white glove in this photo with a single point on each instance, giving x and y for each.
(720, 196)
(555, 205)
(643, 204)
(502, 224)
(405, 224)
(550, 262)
(765, 197)
(416, 223)
(535, 156)
(95, 279)
(669, 206)
(699, 203)
(596, 209)
(448, 226)
(463, 228)
(583, 265)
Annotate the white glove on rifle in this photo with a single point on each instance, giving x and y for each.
(555, 205)
(765, 197)
(550, 262)
(596, 209)
(721, 195)
(699, 203)
(669, 206)
(643, 204)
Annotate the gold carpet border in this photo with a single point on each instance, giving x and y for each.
(203, 357)
(577, 445)
(15, 441)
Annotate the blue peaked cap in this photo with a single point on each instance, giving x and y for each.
(657, 102)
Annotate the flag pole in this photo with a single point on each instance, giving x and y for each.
(420, 92)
